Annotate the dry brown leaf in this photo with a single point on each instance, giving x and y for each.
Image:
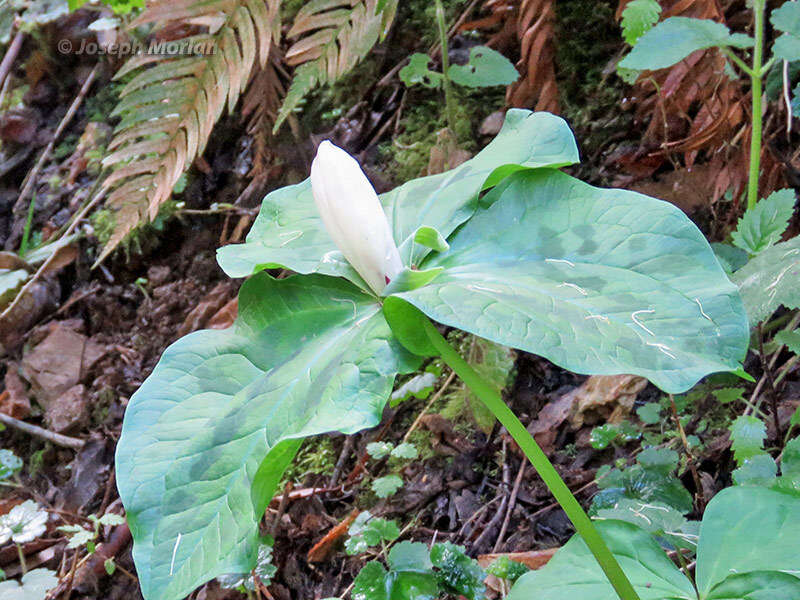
(607, 398)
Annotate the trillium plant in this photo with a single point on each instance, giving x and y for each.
(505, 246)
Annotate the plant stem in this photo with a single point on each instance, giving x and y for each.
(23, 567)
(449, 101)
(756, 74)
(493, 401)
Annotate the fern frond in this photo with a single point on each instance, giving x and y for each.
(334, 35)
(169, 107)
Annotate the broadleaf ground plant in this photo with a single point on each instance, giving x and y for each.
(505, 247)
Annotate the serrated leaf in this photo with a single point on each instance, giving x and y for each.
(650, 413)
(406, 451)
(10, 463)
(786, 18)
(639, 17)
(417, 72)
(763, 225)
(386, 486)
(208, 435)
(34, 586)
(378, 450)
(457, 572)
(770, 280)
(790, 339)
(598, 281)
(370, 583)
(485, 68)
(654, 517)
(288, 231)
(675, 38)
(790, 462)
(728, 395)
(410, 556)
(747, 437)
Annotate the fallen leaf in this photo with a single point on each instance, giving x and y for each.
(323, 548)
(606, 398)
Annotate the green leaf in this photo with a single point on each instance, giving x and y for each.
(375, 583)
(656, 518)
(603, 436)
(728, 395)
(417, 72)
(730, 257)
(747, 437)
(756, 470)
(485, 68)
(746, 530)
(457, 571)
(763, 225)
(378, 450)
(574, 574)
(289, 233)
(33, 586)
(650, 413)
(410, 556)
(761, 585)
(420, 386)
(786, 18)
(370, 583)
(639, 17)
(367, 531)
(790, 339)
(598, 281)
(386, 486)
(770, 280)
(406, 451)
(430, 238)
(10, 282)
(505, 568)
(208, 435)
(675, 38)
(10, 463)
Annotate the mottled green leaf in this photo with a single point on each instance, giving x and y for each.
(573, 573)
(485, 68)
(762, 226)
(786, 18)
(596, 280)
(761, 585)
(650, 413)
(207, 436)
(289, 233)
(770, 280)
(457, 572)
(675, 38)
(746, 530)
(33, 586)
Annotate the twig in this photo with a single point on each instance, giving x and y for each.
(786, 98)
(30, 180)
(56, 438)
(425, 410)
(276, 523)
(692, 467)
(10, 56)
(347, 447)
(511, 504)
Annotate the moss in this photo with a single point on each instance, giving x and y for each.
(316, 456)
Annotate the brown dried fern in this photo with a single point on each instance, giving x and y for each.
(169, 108)
(333, 36)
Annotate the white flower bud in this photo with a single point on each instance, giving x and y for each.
(353, 216)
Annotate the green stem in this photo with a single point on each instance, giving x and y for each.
(449, 101)
(493, 401)
(755, 77)
(23, 567)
